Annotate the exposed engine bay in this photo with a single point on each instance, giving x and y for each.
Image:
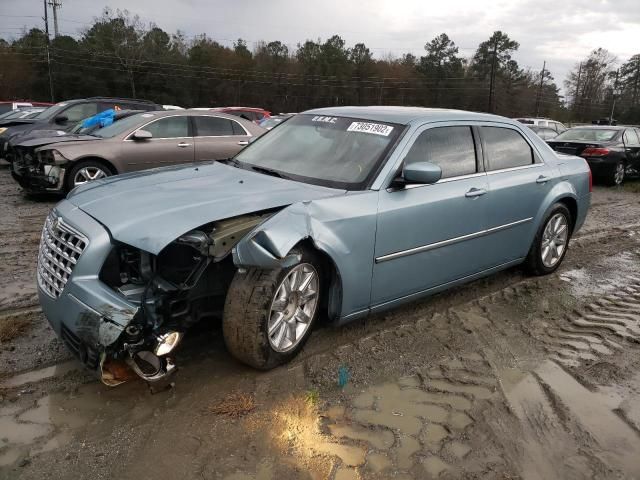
(185, 283)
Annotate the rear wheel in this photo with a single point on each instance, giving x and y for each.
(269, 314)
(86, 171)
(616, 174)
(551, 242)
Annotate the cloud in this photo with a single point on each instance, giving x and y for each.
(560, 32)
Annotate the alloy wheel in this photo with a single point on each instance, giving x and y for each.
(554, 240)
(619, 173)
(293, 307)
(88, 174)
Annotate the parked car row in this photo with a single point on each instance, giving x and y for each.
(59, 148)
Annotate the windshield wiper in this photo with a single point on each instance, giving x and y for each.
(230, 161)
(268, 171)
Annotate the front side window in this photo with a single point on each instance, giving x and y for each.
(505, 148)
(169, 127)
(213, 126)
(339, 152)
(79, 112)
(451, 148)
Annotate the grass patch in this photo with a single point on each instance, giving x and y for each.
(234, 405)
(312, 397)
(633, 186)
(12, 327)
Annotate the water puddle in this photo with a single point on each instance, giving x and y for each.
(41, 374)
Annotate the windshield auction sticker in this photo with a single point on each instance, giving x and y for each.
(375, 128)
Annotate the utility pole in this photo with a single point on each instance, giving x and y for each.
(613, 94)
(46, 29)
(55, 5)
(493, 73)
(538, 97)
(575, 99)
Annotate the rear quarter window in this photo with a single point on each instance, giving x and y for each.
(505, 148)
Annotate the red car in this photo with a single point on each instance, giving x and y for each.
(248, 113)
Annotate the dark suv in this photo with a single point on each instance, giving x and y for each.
(65, 115)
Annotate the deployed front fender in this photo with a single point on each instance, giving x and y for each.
(342, 228)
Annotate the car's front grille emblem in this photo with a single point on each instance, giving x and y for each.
(60, 249)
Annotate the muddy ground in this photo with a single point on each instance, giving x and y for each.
(507, 377)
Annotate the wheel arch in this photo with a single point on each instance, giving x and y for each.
(94, 158)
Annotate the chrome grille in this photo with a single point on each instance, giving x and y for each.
(60, 248)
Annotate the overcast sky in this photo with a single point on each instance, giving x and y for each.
(562, 32)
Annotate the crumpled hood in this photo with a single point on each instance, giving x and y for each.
(48, 137)
(150, 209)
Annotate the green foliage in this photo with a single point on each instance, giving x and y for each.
(118, 55)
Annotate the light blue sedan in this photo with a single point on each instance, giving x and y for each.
(335, 214)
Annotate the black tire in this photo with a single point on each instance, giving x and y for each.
(615, 176)
(534, 263)
(247, 309)
(78, 166)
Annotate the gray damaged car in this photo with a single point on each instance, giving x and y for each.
(337, 213)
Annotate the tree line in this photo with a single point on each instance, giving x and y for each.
(119, 55)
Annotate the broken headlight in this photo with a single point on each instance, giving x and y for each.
(52, 157)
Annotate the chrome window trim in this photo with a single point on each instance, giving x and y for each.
(513, 169)
(450, 241)
(442, 180)
(127, 139)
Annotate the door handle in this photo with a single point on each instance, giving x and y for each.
(243, 143)
(475, 192)
(184, 144)
(542, 179)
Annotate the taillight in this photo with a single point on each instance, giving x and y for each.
(594, 152)
(590, 181)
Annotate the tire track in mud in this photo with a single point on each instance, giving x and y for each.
(602, 328)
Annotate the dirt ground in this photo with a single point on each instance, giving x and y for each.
(507, 377)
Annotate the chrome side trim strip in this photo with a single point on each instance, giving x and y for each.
(513, 169)
(450, 241)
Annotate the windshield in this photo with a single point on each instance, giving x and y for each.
(337, 152)
(51, 111)
(121, 126)
(587, 135)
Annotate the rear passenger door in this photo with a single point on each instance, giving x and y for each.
(632, 148)
(217, 138)
(518, 183)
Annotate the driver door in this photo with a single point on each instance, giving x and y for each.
(171, 143)
(429, 235)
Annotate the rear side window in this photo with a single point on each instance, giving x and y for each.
(505, 148)
(169, 127)
(630, 138)
(451, 148)
(213, 126)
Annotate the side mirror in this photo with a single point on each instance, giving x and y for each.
(141, 135)
(421, 172)
(61, 119)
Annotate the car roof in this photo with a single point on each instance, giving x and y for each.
(600, 127)
(407, 115)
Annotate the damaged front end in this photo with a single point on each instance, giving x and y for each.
(183, 285)
(38, 171)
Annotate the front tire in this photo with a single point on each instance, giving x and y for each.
(551, 242)
(86, 171)
(269, 314)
